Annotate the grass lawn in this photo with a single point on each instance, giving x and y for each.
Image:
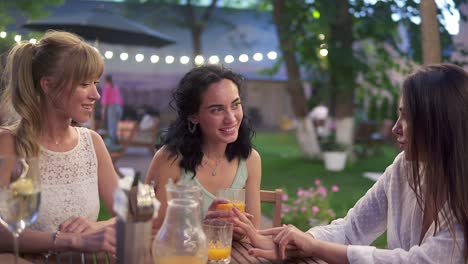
(284, 167)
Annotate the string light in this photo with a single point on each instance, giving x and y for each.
(184, 59)
(243, 58)
(229, 59)
(199, 59)
(124, 56)
(258, 56)
(139, 57)
(272, 55)
(108, 54)
(154, 58)
(169, 59)
(214, 59)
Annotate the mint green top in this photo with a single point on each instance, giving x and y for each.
(238, 183)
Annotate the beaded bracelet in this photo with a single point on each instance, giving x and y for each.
(55, 236)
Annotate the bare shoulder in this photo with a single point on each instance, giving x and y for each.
(163, 166)
(254, 158)
(7, 141)
(94, 136)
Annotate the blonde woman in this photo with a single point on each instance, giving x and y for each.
(47, 85)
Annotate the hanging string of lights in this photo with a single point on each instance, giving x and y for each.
(169, 59)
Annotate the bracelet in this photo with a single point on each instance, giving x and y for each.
(55, 236)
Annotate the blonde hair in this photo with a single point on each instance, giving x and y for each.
(61, 55)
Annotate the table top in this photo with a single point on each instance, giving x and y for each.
(239, 255)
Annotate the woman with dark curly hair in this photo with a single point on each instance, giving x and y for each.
(209, 142)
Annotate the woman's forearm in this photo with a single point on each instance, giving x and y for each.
(329, 252)
(35, 241)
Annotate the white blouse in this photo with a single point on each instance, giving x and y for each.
(391, 205)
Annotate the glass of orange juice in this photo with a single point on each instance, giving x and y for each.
(235, 196)
(219, 236)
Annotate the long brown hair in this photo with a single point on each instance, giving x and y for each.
(435, 99)
(61, 55)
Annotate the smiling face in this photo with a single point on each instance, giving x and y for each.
(400, 129)
(220, 113)
(76, 103)
(81, 102)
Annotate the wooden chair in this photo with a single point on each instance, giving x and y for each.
(275, 198)
(126, 130)
(146, 138)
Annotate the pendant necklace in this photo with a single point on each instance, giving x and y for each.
(213, 168)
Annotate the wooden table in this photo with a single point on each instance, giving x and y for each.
(239, 255)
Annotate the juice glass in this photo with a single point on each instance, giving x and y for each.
(235, 196)
(219, 235)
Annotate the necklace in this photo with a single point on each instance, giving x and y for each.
(217, 162)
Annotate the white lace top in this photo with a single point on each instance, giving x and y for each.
(69, 184)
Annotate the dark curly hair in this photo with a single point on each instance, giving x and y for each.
(186, 100)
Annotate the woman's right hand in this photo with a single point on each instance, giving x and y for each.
(214, 213)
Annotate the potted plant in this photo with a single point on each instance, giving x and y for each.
(334, 153)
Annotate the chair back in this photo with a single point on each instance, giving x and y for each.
(273, 197)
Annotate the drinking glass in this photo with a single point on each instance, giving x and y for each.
(235, 196)
(219, 235)
(20, 192)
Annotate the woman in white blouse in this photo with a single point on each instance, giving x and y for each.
(421, 198)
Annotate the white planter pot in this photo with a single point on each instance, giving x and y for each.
(334, 160)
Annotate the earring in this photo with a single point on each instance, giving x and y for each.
(191, 127)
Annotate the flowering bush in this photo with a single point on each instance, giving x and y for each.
(310, 208)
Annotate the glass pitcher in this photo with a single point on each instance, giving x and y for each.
(181, 238)
(186, 190)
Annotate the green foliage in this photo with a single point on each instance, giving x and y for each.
(30, 8)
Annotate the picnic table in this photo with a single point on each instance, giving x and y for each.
(239, 255)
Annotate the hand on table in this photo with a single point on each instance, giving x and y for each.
(290, 237)
(264, 246)
(103, 239)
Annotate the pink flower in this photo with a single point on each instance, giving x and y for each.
(303, 209)
(335, 188)
(300, 192)
(315, 209)
(322, 190)
(317, 182)
(284, 197)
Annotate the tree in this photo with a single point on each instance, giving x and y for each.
(30, 8)
(194, 18)
(305, 132)
(430, 36)
(334, 25)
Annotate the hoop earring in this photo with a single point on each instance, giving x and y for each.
(191, 127)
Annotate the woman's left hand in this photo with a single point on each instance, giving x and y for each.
(263, 246)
